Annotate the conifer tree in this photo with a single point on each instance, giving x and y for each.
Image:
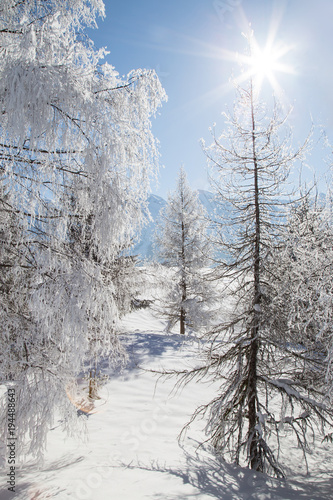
(183, 247)
(262, 387)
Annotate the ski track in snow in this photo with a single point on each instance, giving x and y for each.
(130, 449)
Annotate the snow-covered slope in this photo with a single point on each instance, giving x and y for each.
(130, 449)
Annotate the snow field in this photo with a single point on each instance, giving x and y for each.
(130, 451)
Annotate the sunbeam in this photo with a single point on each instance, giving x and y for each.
(264, 63)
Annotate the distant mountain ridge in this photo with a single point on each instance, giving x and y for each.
(144, 248)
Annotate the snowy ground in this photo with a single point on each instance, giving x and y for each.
(130, 449)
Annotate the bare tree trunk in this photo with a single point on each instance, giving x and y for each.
(182, 321)
(92, 384)
(183, 284)
(255, 453)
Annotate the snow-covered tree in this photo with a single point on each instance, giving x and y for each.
(183, 246)
(261, 372)
(76, 156)
(301, 297)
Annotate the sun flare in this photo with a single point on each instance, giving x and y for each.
(264, 63)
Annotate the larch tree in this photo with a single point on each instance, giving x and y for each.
(183, 246)
(76, 157)
(263, 376)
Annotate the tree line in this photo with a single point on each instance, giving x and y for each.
(271, 349)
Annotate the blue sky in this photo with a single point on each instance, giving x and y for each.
(185, 41)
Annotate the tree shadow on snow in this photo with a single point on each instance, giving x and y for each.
(216, 478)
(33, 489)
(140, 347)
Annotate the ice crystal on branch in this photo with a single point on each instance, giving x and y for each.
(76, 156)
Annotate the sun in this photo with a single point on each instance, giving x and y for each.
(262, 65)
(265, 63)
